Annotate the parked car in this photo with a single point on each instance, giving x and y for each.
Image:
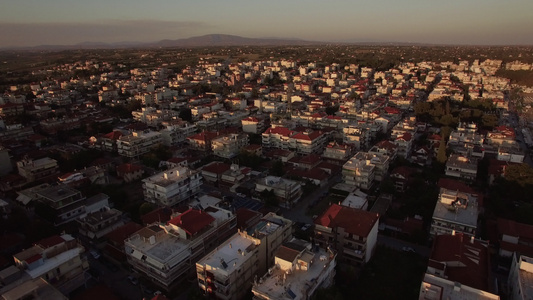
(306, 226)
(95, 254)
(241, 195)
(408, 249)
(133, 280)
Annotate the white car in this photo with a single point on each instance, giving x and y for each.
(241, 195)
(306, 226)
(408, 249)
(95, 254)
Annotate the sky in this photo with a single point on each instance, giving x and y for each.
(68, 22)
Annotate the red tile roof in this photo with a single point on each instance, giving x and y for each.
(512, 228)
(280, 130)
(203, 136)
(123, 232)
(128, 168)
(392, 110)
(115, 135)
(192, 221)
(245, 216)
(472, 254)
(161, 214)
(216, 167)
(33, 258)
(454, 185)
(308, 136)
(386, 145)
(355, 221)
(50, 241)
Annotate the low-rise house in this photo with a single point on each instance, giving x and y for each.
(114, 248)
(514, 237)
(401, 177)
(461, 167)
(350, 231)
(288, 192)
(385, 147)
(213, 171)
(130, 172)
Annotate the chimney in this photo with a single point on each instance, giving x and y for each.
(471, 239)
(453, 232)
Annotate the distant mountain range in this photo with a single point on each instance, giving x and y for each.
(210, 40)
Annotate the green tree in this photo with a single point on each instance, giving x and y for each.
(145, 208)
(185, 114)
(277, 168)
(441, 154)
(331, 110)
(269, 197)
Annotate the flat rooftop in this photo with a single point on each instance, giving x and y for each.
(166, 249)
(434, 287)
(230, 255)
(278, 284)
(58, 192)
(467, 216)
(526, 276)
(170, 176)
(37, 289)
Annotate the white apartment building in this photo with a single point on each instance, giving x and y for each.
(298, 271)
(172, 187)
(287, 191)
(229, 270)
(57, 259)
(138, 143)
(166, 254)
(254, 124)
(99, 223)
(434, 287)
(461, 167)
(305, 142)
(337, 153)
(176, 134)
(230, 145)
(521, 278)
(35, 169)
(68, 203)
(154, 117)
(456, 209)
(364, 168)
(350, 231)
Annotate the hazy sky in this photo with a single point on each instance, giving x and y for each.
(38, 22)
